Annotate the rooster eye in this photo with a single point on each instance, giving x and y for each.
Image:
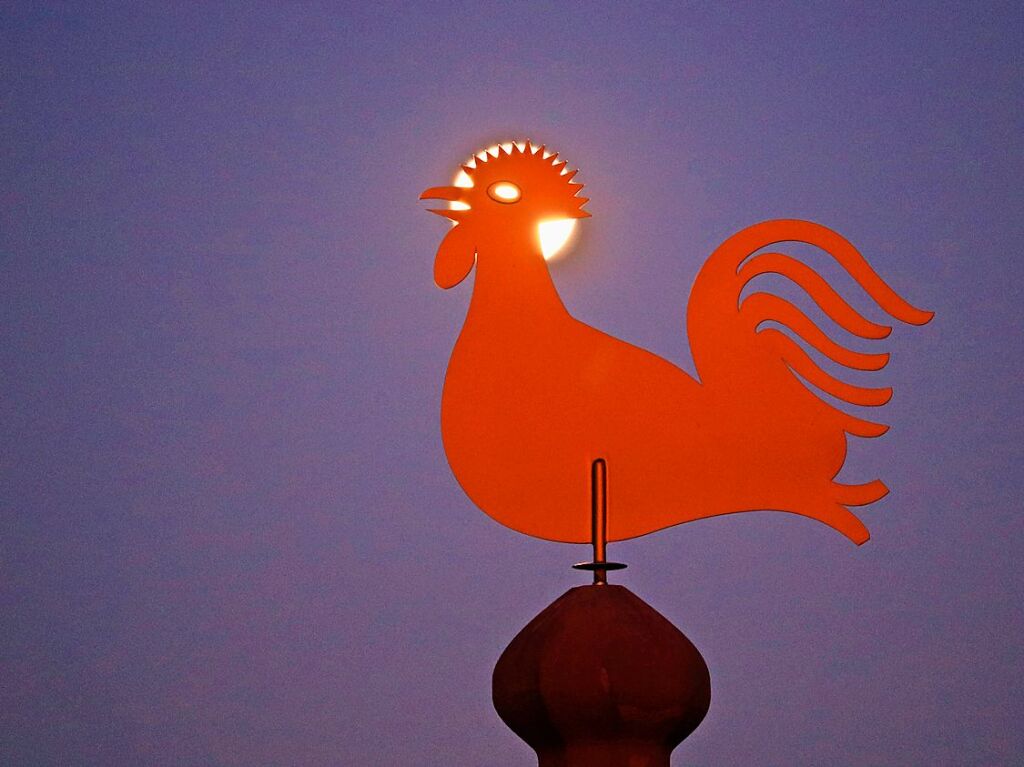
(504, 191)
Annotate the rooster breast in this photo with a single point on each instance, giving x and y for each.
(527, 409)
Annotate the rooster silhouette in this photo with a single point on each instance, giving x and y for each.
(533, 396)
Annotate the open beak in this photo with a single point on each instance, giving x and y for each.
(450, 193)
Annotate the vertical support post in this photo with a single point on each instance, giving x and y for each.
(599, 518)
(599, 524)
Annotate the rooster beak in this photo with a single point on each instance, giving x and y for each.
(450, 193)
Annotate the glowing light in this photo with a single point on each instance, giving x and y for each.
(462, 180)
(504, 191)
(554, 235)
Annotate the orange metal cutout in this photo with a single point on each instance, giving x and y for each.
(533, 396)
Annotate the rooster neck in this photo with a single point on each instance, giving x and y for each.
(513, 289)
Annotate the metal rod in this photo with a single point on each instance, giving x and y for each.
(599, 525)
(599, 517)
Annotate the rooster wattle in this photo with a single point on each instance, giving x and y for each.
(533, 396)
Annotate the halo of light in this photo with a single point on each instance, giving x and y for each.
(554, 235)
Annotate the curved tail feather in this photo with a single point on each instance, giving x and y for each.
(837, 246)
(860, 495)
(764, 307)
(719, 326)
(802, 363)
(824, 295)
(771, 388)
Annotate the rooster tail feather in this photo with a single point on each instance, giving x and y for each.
(837, 246)
(785, 404)
(721, 329)
(823, 294)
(801, 362)
(840, 518)
(860, 427)
(858, 268)
(835, 513)
(860, 495)
(764, 307)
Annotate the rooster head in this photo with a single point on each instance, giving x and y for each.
(503, 195)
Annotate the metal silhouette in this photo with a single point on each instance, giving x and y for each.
(533, 397)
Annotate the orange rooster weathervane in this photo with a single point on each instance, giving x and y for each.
(541, 414)
(548, 423)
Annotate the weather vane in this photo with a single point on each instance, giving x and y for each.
(563, 432)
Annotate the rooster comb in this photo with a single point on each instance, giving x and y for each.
(514, 160)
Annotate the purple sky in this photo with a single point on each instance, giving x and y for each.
(228, 534)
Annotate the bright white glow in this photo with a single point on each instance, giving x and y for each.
(462, 180)
(554, 235)
(504, 191)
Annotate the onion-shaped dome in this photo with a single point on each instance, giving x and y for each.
(601, 679)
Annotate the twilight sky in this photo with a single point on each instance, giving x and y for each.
(228, 534)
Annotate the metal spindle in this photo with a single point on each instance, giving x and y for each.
(599, 524)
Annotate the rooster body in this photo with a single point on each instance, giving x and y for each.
(533, 396)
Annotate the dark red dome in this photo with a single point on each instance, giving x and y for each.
(601, 679)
